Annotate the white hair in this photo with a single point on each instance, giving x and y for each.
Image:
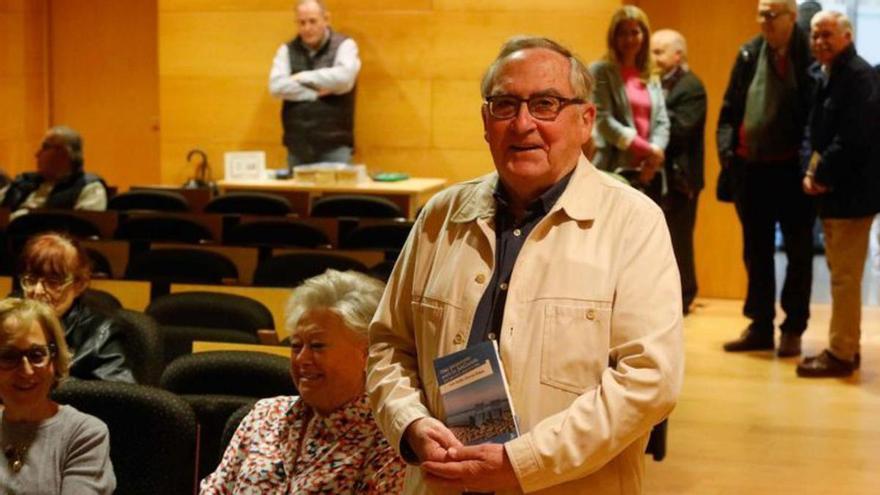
(579, 77)
(843, 22)
(351, 295)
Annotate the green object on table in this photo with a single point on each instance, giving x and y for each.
(390, 176)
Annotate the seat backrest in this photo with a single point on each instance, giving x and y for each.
(163, 228)
(177, 340)
(101, 300)
(217, 383)
(148, 200)
(359, 206)
(212, 310)
(100, 264)
(36, 222)
(152, 434)
(288, 270)
(243, 373)
(249, 203)
(275, 233)
(381, 235)
(142, 344)
(181, 266)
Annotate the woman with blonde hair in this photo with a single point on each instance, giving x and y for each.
(49, 448)
(632, 128)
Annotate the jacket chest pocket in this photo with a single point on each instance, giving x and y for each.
(574, 347)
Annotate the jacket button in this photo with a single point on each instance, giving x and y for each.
(459, 338)
(480, 278)
(591, 314)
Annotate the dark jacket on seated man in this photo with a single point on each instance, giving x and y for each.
(65, 194)
(95, 340)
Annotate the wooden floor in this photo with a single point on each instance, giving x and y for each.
(745, 424)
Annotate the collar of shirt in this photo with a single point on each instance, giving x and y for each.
(356, 413)
(580, 205)
(539, 207)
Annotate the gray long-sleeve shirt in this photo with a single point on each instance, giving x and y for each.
(68, 454)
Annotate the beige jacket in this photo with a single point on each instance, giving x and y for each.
(591, 338)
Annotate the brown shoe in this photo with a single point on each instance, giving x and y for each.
(825, 365)
(857, 360)
(789, 345)
(750, 341)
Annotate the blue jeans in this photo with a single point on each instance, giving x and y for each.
(341, 154)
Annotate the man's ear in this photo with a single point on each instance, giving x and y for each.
(589, 120)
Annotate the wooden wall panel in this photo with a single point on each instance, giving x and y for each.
(22, 82)
(418, 92)
(104, 83)
(714, 33)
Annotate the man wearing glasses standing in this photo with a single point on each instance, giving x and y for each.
(569, 271)
(760, 132)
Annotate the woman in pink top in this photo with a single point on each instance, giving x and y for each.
(632, 127)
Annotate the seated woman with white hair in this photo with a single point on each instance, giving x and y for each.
(327, 442)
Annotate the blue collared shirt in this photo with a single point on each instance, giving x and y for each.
(509, 239)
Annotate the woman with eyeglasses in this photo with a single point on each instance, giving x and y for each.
(48, 448)
(56, 270)
(632, 128)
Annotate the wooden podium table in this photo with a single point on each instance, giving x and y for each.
(409, 194)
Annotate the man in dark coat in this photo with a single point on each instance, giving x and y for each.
(844, 177)
(760, 134)
(686, 108)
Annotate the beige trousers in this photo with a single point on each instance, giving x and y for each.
(846, 247)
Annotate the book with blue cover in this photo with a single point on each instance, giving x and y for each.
(475, 395)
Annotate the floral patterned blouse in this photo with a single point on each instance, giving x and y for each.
(342, 453)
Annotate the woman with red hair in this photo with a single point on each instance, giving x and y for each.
(56, 270)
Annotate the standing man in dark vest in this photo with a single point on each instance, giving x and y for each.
(59, 182)
(686, 108)
(760, 132)
(315, 75)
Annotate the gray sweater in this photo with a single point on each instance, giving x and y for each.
(69, 454)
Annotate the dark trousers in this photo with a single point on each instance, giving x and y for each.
(766, 194)
(681, 217)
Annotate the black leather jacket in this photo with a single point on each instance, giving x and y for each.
(95, 340)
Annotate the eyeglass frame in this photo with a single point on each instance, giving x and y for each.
(561, 100)
(51, 350)
(770, 15)
(26, 286)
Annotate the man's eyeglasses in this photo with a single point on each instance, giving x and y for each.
(45, 146)
(53, 285)
(38, 356)
(544, 107)
(770, 15)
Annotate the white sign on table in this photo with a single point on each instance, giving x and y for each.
(245, 165)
